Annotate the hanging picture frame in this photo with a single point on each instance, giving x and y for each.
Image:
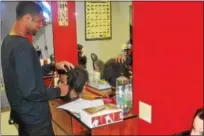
(62, 7)
(98, 20)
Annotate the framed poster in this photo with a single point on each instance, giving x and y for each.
(62, 8)
(98, 20)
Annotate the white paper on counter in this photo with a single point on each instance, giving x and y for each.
(79, 104)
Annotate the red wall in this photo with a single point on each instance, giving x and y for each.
(168, 63)
(64, 37)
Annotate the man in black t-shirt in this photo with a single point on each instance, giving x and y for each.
(23, 74)
(82, 60)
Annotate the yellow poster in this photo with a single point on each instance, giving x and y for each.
(98, 20)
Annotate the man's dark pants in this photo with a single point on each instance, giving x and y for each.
(42, 129)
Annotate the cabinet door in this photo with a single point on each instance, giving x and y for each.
(57, 130)
(78, 128)
(54, 126)
(60, 117)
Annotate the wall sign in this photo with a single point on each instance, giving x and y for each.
(98, 20)
(62, 7)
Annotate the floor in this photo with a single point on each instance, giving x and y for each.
(7, 129)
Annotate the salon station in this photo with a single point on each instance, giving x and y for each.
(143, 63)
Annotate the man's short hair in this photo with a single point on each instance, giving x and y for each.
(27, 7)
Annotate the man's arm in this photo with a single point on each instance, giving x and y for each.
(129, 60)
(62, 65)
(25, 69)
(124, 59)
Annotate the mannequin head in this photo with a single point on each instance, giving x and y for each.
(113, 70)
(76, 80)
(197, 128)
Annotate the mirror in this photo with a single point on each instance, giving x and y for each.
(106, 50)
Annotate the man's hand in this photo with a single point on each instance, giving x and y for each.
(121, 59)
(64, 89)
(63, 64)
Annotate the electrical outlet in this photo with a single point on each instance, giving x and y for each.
(145, 112)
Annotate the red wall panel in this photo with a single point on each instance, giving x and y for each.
(168, 63)
(64, 37)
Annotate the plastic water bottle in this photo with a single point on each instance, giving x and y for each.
(130, 94)
(126, 99)
(119, 97)
(122, 93)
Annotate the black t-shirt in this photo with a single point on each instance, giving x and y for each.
(23, 78)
